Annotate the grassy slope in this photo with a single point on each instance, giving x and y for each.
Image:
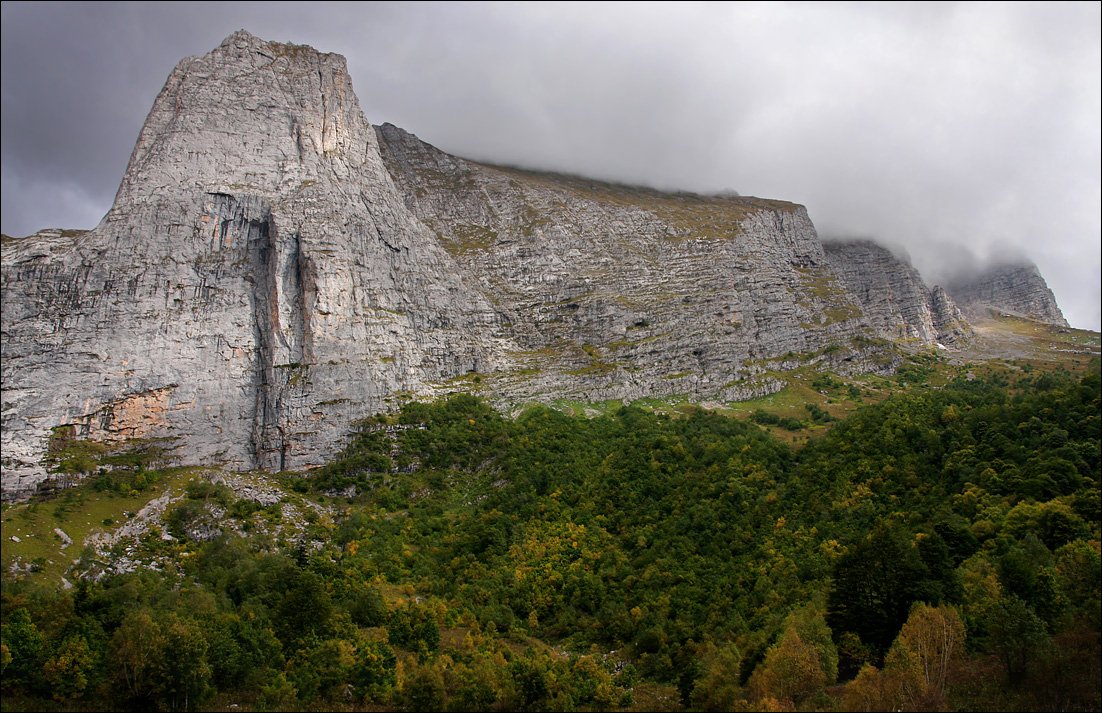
(78, 512)
(1001, 345)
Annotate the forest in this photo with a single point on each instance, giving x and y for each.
(935, 550)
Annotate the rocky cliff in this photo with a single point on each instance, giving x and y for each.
(641, 292)
(897, 303)
(274, 268)
(1013, 287)
(257, 284)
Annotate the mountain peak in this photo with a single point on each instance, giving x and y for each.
(892, 294)
(250, 115)
(274, 269)
(1012, 285)
(245, 40)
(241, 38)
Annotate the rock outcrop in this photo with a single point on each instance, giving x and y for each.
(893, 296)
(1014, 287)
(639, 292)
(257, 285)
(275, 268)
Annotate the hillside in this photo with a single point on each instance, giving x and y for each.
(275, 268)
(320, 417)
(652, 556)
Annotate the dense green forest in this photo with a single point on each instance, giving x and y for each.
(936, 550)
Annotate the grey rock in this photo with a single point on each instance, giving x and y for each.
(897, 303)
(614, 291)
(257, 285)
(274, 268)
(1015, 287)
(64, 537)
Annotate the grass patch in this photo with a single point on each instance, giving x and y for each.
(468, 238)
(588, 409)
(692, 215)
(470, 380)
(597, 368)
(78, 512)
(822, 285)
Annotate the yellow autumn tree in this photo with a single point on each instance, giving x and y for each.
(867, 692)
(900, 680)
(809, 621)
(791, 672)
(918, 665)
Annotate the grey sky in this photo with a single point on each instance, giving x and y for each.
(952, 130)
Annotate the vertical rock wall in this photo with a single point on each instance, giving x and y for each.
(275, 268)
(1017, 288)
(897, 302)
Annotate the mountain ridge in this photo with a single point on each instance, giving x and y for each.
(274, 268)
(1013, 286)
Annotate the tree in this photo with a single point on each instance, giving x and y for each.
(982, 590)
(867, 692)
(478, 685)
(530, 681)
(374, 673)
(1079, 574)
(68, 672)
(791, 671)
(134, 651)
(306, 609)
(936, 636)
(184, 673)
(901, 680)
(875, 584)
(277, 694)
(414, 628)
(25, 647)
(918, 665)
(1017, 635)
(717, 688)
(810, 623)
(423, 688)
(324, 669)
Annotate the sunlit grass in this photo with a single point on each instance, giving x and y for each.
(78, 512)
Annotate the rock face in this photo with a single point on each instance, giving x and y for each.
(1016, 287)
(258, 284)
(275, 268)
(620, 292)
(893, 296)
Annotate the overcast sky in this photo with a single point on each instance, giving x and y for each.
(953, 130)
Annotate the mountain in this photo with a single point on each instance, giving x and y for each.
(890, 291)
(615, 291)
(274, 268)
(257, 285)
(1015, 287)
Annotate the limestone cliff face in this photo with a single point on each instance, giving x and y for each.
(893, 296)
(641, 292)
(1016, 287)
(258, 283)
(274, 268)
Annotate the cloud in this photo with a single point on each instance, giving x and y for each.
(938, 127)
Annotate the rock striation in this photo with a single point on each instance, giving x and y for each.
(257, 285)
(1012, 287)
(275, 268)
(892, 294)
(639, 292)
